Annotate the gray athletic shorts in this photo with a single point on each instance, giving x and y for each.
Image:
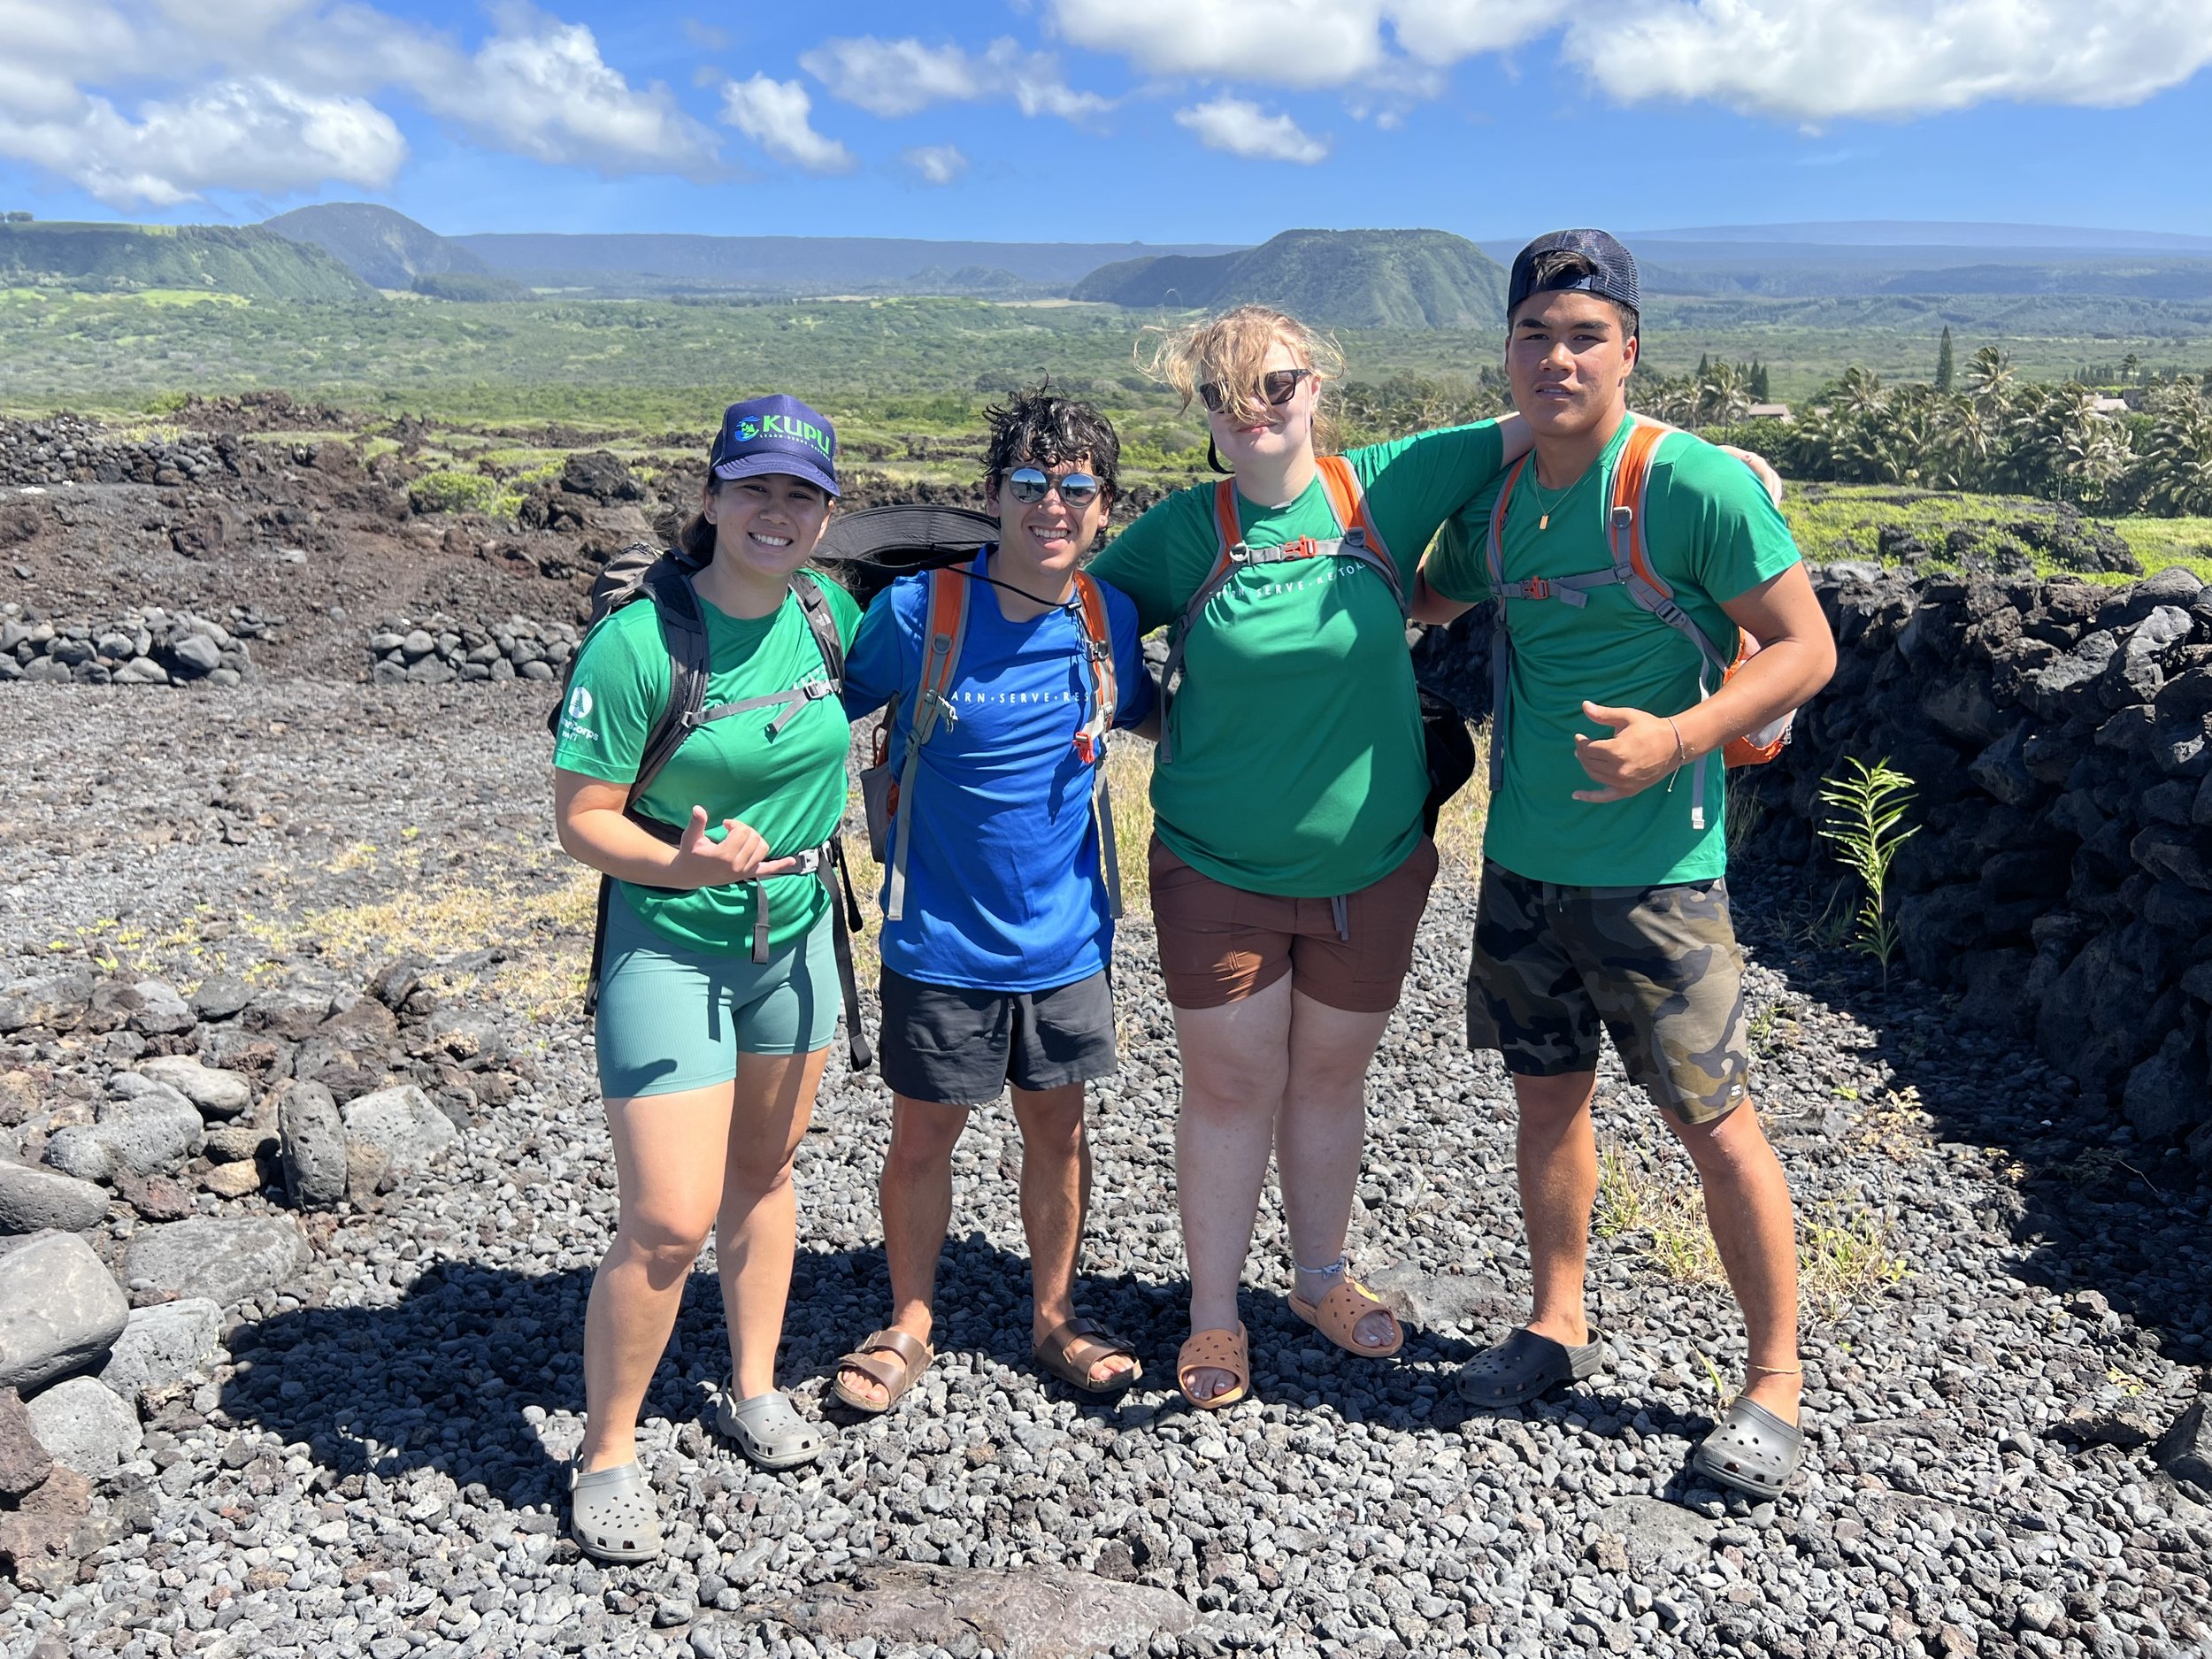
(959, 1047)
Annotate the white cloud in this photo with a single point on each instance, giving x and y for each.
(539, 88)
(246, 135)
(891, 78)
(1808, 59)
(274, 96)
(1795, 59)
(895, 78)
(1280, 43)
(1243, 128)
(935, 163)
(777, 116)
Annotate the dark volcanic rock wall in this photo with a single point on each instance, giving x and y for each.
(2057, 735)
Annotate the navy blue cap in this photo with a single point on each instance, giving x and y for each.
(776, 434)
(1614, 277)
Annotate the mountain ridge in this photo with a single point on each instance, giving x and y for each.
(243, 259)
(1341, 279)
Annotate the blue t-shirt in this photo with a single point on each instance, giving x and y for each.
(1004, 889)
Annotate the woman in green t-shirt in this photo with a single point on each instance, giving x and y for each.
(718, 989)
(1289, 866)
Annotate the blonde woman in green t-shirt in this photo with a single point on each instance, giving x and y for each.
(1289, 868)
(718, 990)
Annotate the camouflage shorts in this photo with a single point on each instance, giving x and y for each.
(1658, 966)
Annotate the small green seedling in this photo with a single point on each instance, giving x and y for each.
(1870, 810)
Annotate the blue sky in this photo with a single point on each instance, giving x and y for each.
(1108, 121)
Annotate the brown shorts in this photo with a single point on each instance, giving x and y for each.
(1219, 944)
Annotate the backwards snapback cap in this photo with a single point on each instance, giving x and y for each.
(776, 434)
(1612, 276)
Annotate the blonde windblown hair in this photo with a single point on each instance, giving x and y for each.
(1232, 348)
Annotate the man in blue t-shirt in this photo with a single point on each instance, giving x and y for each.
(995, 966)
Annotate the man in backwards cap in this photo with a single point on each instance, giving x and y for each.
(1604, 897)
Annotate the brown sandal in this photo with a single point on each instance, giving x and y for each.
(1337, 1317)
(1073, 1348)
(1215, 1350)
(896, 1376)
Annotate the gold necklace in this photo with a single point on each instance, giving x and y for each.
(1544, 508)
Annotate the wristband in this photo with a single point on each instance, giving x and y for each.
(1681, 754)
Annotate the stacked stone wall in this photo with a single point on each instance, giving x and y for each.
(2059, 738)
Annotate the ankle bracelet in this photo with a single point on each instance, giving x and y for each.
(1777, 1370)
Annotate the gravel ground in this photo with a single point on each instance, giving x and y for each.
(2007, 1308)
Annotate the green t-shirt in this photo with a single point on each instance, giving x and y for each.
(790, 788)
(1298, 765)
(1712, 534)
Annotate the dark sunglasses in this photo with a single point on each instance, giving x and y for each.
(1029, 485)
(1277, 386)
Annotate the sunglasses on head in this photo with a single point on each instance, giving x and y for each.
(1277, 386)
(1031, 484)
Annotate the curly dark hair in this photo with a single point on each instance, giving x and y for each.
(1039, 428)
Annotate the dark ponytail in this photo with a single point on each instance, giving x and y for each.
(696, 540)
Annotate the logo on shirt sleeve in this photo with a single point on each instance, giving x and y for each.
(575, 718)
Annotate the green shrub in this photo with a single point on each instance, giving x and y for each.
(454, 492)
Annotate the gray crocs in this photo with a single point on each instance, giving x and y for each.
(769, 1430)
(1525, 1365)
(613, 1515)
(1752, 1451)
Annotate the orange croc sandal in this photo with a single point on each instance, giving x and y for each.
(1215, 1350)
(1339, 1313)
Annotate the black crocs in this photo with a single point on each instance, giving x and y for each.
(1525, 1365)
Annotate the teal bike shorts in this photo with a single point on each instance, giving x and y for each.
(674, 1018)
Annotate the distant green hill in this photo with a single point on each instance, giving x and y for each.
(214, 259)
(385, 249)
(1341, 279)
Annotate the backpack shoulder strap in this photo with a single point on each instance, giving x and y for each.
(821, 621)
(1098, 639)
(683, 632)
(1348, 500)
(1631, 491)
(1628, 532)
(945, 626)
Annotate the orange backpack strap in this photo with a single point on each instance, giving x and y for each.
(948, 624)
(1631, 488)
(1098, 637)
(1226, 515)
(1347, 498)
(1090, 743)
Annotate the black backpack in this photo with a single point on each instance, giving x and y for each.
(644, 572)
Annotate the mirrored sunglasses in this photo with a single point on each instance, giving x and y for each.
(1030, 485)
(1277, 386)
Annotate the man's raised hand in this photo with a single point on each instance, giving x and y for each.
(741, 855)
(1642, 750)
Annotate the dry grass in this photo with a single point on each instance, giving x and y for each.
(1459, 826)
(1844, 1254)
(545, 933)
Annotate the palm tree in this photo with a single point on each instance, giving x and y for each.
(1989, 380)
(2175, 476)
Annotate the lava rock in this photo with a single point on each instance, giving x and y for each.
(313, 1140)
(403, 1125)
(221, 996)
(225, 1259)
(217, 1093)
(33, 1200)
(23, 1461)
(2185, 1451)
(1048, 1614)
(60, 1311)
(86, 1426)
(164, 1344)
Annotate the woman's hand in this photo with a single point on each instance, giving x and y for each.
(1762, 469)
(741, 855)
